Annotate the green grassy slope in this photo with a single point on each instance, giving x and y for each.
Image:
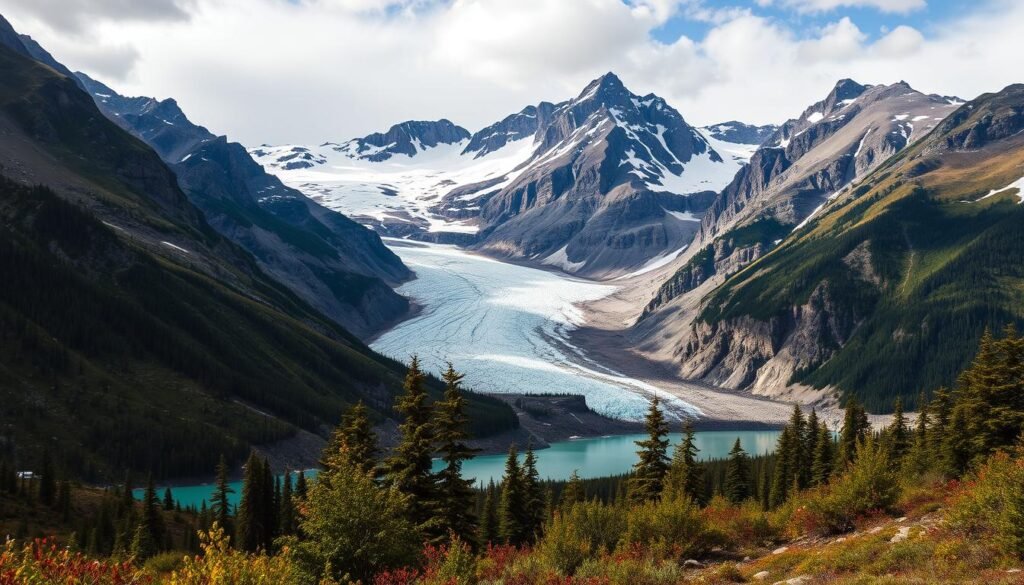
(943, 264)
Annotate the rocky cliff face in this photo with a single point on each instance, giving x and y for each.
(740, 133)
(876, 294)
(518, 126)
(615, 180)
(408, 138)
(806, 162)
(336, 265)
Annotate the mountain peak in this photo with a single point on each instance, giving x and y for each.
(409, 138)
(609, 82)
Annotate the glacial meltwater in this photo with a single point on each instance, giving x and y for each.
(588, 457)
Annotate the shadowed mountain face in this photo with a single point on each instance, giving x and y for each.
(336, 265)
(135, 334)
(886, 290)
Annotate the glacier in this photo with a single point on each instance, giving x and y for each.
(506, 327)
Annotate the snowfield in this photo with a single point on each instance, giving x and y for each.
(400, 188)
(506, 327)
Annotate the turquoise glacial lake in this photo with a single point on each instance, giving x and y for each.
(596, 457)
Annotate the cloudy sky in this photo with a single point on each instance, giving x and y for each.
(307, 71)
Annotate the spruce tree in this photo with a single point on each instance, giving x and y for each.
(301, 488)
(685, 475)
(409, 468)
(511, 528)
(799, 458)
(221, 506)
(855, 429)
(151, 524)
(451, 432)
(649, 471)
(783, 474)
(897, 435)
(251, 512)
(288, 513)
(168, 499)
(737, 474)
(573, 491)
(489, 523)
(822, 464)
(533, 511)
(920, 458)
(356, 433)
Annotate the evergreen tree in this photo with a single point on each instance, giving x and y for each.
(764, 485)
(737, 474)
(649, 471)
(221, 506)
(168, 499)
(855, 429)
(301, 488)
(574, 491)
(511, 528)
(287, 514)
(533, 516)
(353, 529)
(783, 475)
(920, 458)
(799, 458)
(251, 512)
(455, 493)
(355, 432)
(150, 531)
(897, 435)
(409, 467)
(822, 464)
(489, 523)
(685, 475)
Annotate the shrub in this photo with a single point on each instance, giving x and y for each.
(354, 527)
(619, 569)
(743, 525)
(670, 528)
(222, 565)
(165, 562)
(452, 564)
(869, 484)
(583, 530)
(990, 504)
(41, 561)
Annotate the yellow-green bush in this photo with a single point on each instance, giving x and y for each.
(867, 486)
(990, 504)
(670, 528)
(222, 565)
(585, 529)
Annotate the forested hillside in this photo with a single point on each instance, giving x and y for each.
(888, 290)
(134, 336)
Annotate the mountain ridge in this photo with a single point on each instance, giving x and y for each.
(331, 262)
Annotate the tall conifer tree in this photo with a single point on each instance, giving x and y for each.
(649, 471)
(455, 493)
(409, 467)
(685, 475)
(737, 474)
